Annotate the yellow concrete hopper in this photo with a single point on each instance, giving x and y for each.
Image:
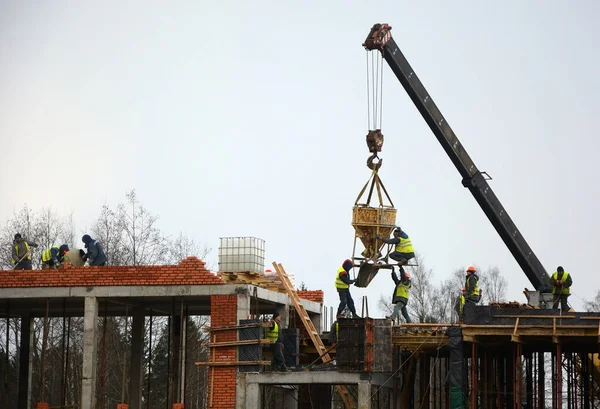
(369, 221)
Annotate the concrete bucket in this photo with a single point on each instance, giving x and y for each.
(368, 221)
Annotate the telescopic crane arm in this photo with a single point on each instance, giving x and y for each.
(380, 38)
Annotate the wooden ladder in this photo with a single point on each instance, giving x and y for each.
(348, 400)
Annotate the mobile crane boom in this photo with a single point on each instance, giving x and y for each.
(380, 38)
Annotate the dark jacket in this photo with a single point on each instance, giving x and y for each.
(19, 249)
(470, 282)
(95, 253)
(403, 280)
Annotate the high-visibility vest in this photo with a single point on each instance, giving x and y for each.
(561, 290)
(27, 253)
(476, 289)
(273, 333)
(402, 289)
(337, 331)
(47, 255)
(338, 282)
(405, 246)
(462, 302)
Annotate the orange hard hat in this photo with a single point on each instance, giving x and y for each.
(407, 274)
(464, 289)
(472, 269)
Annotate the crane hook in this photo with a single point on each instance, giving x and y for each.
(374, 165)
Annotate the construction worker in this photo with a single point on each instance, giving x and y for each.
(460, 303)
(21, 253)
(404, 250)
(471, 290)
(342, 284)
(561, 288)
(400, 295)
(95, 255)
(52, 257)
(274, 334)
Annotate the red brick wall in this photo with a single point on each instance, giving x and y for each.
(223, 312)
(189, 271)
(312, 295)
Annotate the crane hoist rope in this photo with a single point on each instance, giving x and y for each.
(371, 221)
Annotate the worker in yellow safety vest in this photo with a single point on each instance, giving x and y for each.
(274, 335)
(459, 304)
(342, 285)
(400, 295)
(52, 257)
(21, 253)
(404, 250)
(561, 288)
(471, 291)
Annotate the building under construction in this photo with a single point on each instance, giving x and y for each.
(496, 358)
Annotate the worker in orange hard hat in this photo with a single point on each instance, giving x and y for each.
(471, 290)
(400, 295)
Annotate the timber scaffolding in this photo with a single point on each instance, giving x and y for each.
(497, 358)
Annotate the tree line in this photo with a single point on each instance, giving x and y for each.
(434, 301)
(128, 232)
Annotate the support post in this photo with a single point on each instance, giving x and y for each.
(243, 307)
(90, 352)
(558, 376)
(253, 395)
(137, 352)
(364, 395)
(25, 363)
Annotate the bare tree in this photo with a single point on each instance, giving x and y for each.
(594, 304)
(183, 246)
(142, 241)
(385, 305)
(493, 285)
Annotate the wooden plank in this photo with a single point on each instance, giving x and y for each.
(233, 363)
(232, 327)
(235, 343)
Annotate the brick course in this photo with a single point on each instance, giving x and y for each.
(189, 271)
(312, 295)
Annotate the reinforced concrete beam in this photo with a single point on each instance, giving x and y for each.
(295, 378)
(153, 291)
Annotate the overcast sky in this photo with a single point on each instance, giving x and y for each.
(248, 118)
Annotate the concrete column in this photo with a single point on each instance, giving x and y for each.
(243, 307)
(291, 398)
(364, 395)
(253, 395)
(90, 353)
(175, 358)
(137, 350)
(25, 363)
(240, 391)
